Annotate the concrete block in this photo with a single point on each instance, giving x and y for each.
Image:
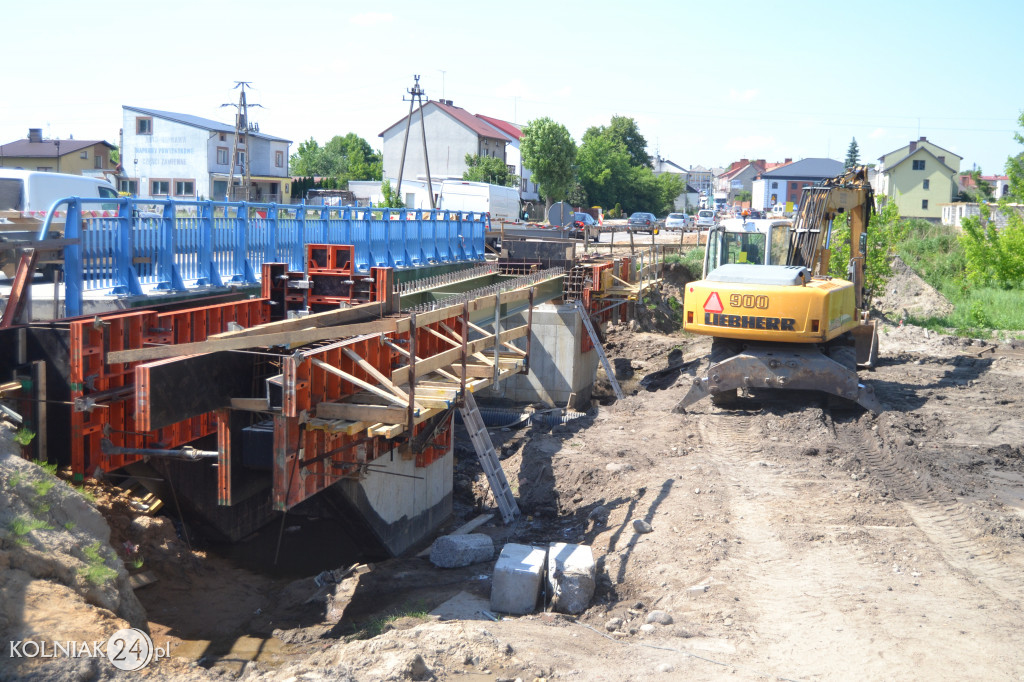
(452, 551)
(572, 577)
(517, 577)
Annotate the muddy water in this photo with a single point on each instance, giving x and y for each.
(299, 547)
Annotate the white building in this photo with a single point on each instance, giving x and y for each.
(452, 133)
(179, 156)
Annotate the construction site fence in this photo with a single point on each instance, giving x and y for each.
(126, 247)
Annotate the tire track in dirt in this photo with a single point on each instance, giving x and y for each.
(832, 592)
(936, 513)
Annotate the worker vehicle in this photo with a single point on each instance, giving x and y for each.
(776, 318)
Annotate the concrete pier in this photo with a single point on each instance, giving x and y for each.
(560, 373)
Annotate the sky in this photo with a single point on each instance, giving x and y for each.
(707, 83)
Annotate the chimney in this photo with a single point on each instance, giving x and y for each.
(35, 134)
(788, 160)
(942, 159)
(923, 139)
(913, 147)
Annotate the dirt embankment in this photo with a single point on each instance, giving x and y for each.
(60, 578)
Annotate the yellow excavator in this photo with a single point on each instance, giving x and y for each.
(776, 318)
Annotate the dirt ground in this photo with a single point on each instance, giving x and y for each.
(788, 541)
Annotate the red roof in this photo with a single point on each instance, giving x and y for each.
(467, 119)
(510, 129)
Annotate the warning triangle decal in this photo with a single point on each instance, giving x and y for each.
(713, 304)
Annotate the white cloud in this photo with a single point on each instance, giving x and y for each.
(877, 133)
(371, 18)
(743, 95)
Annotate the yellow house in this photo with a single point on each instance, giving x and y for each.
(78, 157)
(919, 178)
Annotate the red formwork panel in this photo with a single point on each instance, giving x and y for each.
(309, 457)
(113, 387)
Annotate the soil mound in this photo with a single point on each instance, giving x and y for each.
(907, 294)
(60, 580)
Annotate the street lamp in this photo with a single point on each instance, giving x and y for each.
(57, 142)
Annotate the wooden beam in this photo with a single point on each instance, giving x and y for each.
(366, 413)
(443, 337)
(508, 345)
(285, 338)
(372, 371)
(330, 318)
(379, 392)
(250, 404)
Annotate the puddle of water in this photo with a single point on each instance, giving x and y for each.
(232, 653)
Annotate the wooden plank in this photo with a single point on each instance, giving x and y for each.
(372, 371)
(286, 338)
(400, 375)
(379, 392)
(250, 404)
(332, 318)
(443, 337)
(364, 413)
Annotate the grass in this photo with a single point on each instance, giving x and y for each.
(21, 526)
(89, 497)
(23, 436)
(96, 570)
(935, 254)
(378, 625)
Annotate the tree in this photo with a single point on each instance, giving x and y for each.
(995, 257)
(550, 152)
(489, 169)
(852, 155)
(390, 198)
(342, 158)
(625, 130)
(1015, 169)
(885, 231)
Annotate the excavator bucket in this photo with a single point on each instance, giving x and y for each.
(801, 367)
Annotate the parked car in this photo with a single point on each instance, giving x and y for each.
(705, 218)
(583, 225)
(643, 222)
(676, 221)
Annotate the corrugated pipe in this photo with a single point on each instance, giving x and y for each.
(499, 417)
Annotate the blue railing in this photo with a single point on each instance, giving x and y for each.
(184, 245)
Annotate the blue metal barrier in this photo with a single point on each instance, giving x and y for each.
(182, 245)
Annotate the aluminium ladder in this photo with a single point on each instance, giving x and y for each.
(488, 459)
(600, 350)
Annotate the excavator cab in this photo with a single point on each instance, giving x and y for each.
(776, 317)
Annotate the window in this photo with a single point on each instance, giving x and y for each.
(84, 154)
(279, 159)
(184, 188)
(222, 156)
(223, 137)
(240, 159)
(97, 161)
(926, 184)
(792, 185)
(129, 185)
(924, 203)
(44, 168)
(775, 185)
(143, 125)
(919, 165)
(241, 139)
(159, 188)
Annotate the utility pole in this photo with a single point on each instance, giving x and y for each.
(241, 128)
(416, 95)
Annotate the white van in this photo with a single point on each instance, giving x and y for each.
(502, 203)
(705, 218)
(34, 192)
